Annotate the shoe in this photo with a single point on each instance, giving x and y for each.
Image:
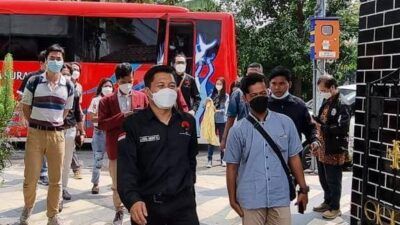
(24, 218)
(60, 206)
(321, 208)
(331, 214)
(77, 175)
(95, 189)
(44, 180)
(223, 164)
(119, 217)
(55, 220)
(209, 164)
(66, 195)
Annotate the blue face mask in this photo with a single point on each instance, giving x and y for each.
(54, 65)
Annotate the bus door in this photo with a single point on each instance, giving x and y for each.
(181, 39)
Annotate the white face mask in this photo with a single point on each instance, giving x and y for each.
(282, 97)
(106, 90)
(165, 98)
(180, 68)
(218, 87)
(75, 75)
(125, 88)
(325, 95)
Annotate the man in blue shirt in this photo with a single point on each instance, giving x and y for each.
(237, 108)
(257, 187)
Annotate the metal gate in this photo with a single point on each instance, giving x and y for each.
(381, 160)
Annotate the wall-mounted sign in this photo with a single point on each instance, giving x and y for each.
(325, 38)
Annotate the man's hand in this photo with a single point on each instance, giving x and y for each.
(303, 200)
(139, 213)
(235, 206)
(222, 145)
(126, 114)
(315, 146)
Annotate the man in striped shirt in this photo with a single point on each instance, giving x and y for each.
(46, 101)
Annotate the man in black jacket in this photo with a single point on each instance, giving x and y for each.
(333, 126)
(156, 167)
(186, 84)
(282, 101)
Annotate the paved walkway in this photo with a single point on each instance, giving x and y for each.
(87, 209)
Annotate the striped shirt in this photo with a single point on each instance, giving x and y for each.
(48, 103)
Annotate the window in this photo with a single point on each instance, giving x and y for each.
(30, 34)
(119, 40)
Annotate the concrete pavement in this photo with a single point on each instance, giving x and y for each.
(87, 209)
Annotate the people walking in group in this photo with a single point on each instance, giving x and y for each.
(157, 157)
(73, 126)
(260, 150)
(113, 109)
(220, 100)
(104, 88)
(47, 99)
(333, 122)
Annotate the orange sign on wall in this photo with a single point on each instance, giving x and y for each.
(327, 38)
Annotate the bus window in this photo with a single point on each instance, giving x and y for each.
(31, 34)
(4, 35)
(181, 41)
(119, 40)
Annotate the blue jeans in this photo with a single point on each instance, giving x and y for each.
(44, 169)
(99, 149)
(219, 129)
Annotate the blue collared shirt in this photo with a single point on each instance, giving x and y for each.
(237, 106)
(261, 181)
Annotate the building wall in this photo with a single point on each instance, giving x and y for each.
(379, 54)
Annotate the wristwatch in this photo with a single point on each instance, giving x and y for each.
(304, 190)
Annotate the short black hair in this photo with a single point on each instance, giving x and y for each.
(42, 56)
(281, 71)
(179, 55)
(250, 80)
(328, 81)
(122, 70)
(55, 48)
(255, 65)
(149, 76)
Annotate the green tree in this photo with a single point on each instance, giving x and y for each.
(7, 105)
(276, 32)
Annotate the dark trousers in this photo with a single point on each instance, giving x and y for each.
(179, 210)
(330, 178)
(219, 129)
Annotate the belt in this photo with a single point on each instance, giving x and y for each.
(46, 128)
(161, 198)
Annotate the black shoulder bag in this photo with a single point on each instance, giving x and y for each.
(277, 152)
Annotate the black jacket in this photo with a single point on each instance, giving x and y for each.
(296, 109)
(189, 91)
(155, 158)
(336, 128)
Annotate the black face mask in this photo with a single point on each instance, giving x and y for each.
(259, 104)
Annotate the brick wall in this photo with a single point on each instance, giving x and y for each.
(379, 54)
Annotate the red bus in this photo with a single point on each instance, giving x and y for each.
(98, 35)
